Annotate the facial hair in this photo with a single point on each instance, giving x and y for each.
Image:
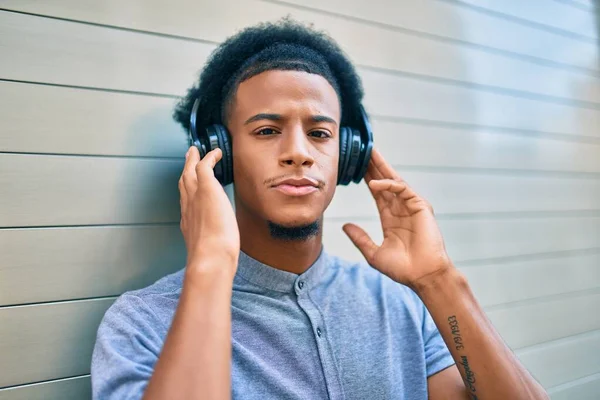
(294, 233)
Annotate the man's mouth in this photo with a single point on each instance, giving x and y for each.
(297, 186)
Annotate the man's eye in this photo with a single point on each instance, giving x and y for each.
(320, 134)
(266, 131)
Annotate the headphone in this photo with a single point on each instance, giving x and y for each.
(355, 148)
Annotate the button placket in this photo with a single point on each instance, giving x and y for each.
(324, 349)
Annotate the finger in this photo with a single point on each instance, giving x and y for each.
(372, 170)
(183, 197)
(207, 165)
(411, 199)
(400, 189)
(368, 178)
(388, 184)
(189, 170)
(382, 168)
(213, 157)
(380, 196)
(361, 240)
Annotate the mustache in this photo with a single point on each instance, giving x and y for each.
(277, 178)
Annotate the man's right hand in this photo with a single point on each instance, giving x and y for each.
(208, 221)
(195, 360)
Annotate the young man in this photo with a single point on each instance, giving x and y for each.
(260, 310)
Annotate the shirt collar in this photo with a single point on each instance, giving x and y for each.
(282, 281)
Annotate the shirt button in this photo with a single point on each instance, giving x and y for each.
(319, 332)
(301, 284)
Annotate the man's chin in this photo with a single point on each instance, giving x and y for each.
(294, 231)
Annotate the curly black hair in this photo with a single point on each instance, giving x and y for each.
(283, 45)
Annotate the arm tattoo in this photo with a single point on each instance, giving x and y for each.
(456, 333)
(458, 342)
(469, 374)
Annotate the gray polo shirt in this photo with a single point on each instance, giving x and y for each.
(340, 330)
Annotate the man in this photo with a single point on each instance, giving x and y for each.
(261, 310)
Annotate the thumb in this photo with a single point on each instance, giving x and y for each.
(361, 240)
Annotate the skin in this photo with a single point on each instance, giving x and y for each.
(195, 360)
(292, 145)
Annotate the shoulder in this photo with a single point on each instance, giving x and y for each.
(130, 337)
(148, 306)
(168, 285)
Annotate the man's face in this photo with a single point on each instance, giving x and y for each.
(285, 125)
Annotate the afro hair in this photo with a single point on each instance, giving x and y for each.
(283, 45)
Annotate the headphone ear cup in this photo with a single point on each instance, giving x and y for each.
(343, 159)
(224, 168)
(363, 161)
(227, 156)
(353, 155)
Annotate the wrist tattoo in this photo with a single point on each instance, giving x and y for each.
(458, 342)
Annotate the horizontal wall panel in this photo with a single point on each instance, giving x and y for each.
(537, 321)
(63, 335)
(75, 121)
(367, 45)
(62, 190)
(69, 53)
(482, 241)
(50, 341)
(506, 282)
(395, 96)
(406, 144)
(148, 63)
(64, 389)
(82, 262)
(463, 24)
(477, 193)
(582, 389)
(554, 14)
(565, 360)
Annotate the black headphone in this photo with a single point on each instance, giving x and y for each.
(355, 148)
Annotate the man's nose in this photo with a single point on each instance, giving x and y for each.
(296, 148)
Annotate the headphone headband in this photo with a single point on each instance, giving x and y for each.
(193, 131)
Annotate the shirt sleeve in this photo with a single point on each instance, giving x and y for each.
(127, 347)
(437, 355)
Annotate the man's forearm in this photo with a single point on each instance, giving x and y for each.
(195, 360)
(488, 367)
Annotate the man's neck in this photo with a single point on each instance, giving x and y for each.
(294, 256)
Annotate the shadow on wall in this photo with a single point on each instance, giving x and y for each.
(152, 197)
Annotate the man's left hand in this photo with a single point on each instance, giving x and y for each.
(413, 248)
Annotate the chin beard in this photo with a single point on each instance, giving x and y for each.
(294, 233)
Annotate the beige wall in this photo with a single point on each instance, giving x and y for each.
(491, 110)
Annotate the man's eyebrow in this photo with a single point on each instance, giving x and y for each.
(323, 118)
(261, 116)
